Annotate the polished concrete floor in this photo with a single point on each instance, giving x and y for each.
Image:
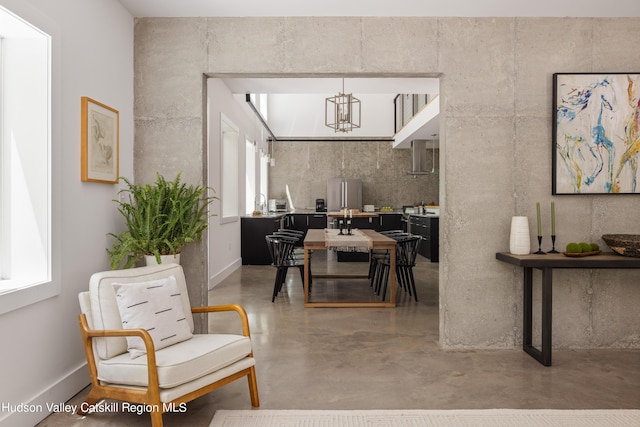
(362, 358)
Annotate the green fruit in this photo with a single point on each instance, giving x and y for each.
(586, 247)
(573, 248)
(595, 247)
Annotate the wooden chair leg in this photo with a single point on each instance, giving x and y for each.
(253, 388)
(156, 418)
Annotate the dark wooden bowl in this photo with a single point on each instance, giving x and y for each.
(623, 244)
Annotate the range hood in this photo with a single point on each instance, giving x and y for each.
(419, 157)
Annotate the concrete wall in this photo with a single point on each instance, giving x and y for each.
(306, 166)
(42, 357)
(495, 141)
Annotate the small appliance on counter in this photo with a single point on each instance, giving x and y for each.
(432, 210)
(276, 205)
(320, 205)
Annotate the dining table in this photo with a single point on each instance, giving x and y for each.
(360, 240)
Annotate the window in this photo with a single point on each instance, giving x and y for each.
(229, 200)
(252, 200)
(25, 164)
(264, 176)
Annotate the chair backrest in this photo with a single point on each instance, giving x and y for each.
(391, 233)
(103, 313)
(296, 234)
(407, 250)
(280, 249)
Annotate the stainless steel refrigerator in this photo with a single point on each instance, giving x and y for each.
(344, 193)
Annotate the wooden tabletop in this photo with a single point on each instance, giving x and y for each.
(315, 239)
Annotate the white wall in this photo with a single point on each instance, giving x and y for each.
(42, 359)
(224, 238)
(295, 114)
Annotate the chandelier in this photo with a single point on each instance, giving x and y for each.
(342, 112)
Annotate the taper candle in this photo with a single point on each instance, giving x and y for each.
(553, 218)
(539, 225)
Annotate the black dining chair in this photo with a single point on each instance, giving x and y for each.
(283, 258)
(379, 254)
(298, 251)
(406, 252)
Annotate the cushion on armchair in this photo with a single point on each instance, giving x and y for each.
(177, 364)
(105, 312)
(156, 306)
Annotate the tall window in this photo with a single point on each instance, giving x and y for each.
(264, 176)
(25, 163)
(252, 199)
(229, 200)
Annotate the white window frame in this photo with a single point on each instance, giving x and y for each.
(229, 146)
(27, 273)
(251, 195)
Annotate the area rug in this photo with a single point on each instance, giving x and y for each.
(430, 418)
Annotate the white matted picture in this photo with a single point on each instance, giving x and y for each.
(99, 142)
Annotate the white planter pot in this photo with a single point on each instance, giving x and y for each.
(519, 239)
(164, 259)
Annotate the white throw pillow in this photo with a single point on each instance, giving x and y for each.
(155, 306)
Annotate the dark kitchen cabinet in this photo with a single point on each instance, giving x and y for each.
(428, 229)
(253, 229)
(305, 221)
(390, 221)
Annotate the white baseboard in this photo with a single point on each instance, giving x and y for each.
(224, 273)
(38, 408)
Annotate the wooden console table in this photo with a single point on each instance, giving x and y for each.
(546, 263)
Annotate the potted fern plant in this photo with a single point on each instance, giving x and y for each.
(161, 219)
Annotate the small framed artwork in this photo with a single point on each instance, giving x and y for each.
(596, 133)
(99, 142)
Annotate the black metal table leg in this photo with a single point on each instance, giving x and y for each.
(544, 355)
(547, 302)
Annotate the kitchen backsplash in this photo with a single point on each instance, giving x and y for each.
(306, 166)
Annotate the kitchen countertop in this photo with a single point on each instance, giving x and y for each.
(354, 215)
(270, 215)
(427, 215)
(310, 211)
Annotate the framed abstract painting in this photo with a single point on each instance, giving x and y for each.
(596, 133)
(99, 142)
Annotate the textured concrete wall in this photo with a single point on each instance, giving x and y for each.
(306, 166)
(496, 78)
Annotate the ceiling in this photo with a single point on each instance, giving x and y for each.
(474, 8)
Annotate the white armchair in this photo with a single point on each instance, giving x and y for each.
(143, 370)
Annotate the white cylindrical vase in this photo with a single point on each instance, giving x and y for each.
(519, 239)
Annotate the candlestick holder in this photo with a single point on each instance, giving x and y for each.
(349, 227)
(553, 245)
(540, 251)
(340, 224)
